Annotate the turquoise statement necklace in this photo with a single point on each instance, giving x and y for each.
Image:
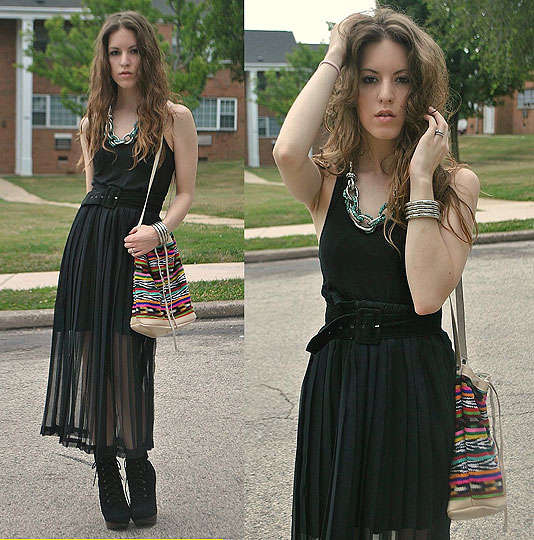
(113, 139)
(363, 221)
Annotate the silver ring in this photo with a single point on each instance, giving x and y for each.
(438, 132)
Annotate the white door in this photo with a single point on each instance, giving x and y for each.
(489, 120)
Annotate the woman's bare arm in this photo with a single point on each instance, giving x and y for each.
(185, 147)
(291, 152)
(435, 257)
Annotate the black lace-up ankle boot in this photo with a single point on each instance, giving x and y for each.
(141, 478)
(112, 500)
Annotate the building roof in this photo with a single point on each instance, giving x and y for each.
(269, 46)
(47, 4)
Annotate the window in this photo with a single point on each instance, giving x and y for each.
(39, 111)
(268, 126)
(48, 111)
(63, 141)
(216, 114)
(525, 99)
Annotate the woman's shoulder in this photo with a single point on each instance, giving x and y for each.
(178, 111)
(463, 178)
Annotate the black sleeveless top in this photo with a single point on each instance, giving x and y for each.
(113, 167)
(357, 265)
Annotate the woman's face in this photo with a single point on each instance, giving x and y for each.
(124, 58)
(383, 89)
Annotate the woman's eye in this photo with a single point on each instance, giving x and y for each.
(134, 51)
(403, 80)
(114, 53)
(369, 79)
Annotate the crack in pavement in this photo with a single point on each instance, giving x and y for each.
(292, 405)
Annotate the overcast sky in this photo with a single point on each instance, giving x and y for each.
(305, 18)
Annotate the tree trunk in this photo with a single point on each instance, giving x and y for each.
(453, 127)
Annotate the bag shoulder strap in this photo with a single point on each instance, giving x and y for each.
(152, 174)
(458, 329)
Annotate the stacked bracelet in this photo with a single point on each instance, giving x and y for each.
(163, 233)
(334, 65)
(422, 208)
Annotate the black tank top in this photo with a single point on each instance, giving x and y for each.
(357, 265)
(114, 168)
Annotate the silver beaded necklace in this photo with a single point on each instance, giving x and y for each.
(113, 139)
(363, 221)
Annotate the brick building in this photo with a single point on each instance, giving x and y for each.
(512, 115)
(264, 50)
(39, 136)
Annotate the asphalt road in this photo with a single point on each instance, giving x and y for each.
(284, 309)
(47, 489)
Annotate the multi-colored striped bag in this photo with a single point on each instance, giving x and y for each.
(161, 298)
(476, 477)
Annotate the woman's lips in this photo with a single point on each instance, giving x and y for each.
(385, 119)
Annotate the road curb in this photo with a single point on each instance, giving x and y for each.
(42, 318)
(271, 255)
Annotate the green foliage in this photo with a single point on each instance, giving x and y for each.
(488, 46)
(199, 50)
(224, 21)
(282, 87)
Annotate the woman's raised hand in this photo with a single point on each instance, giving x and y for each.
(337, 50)
(431, 149)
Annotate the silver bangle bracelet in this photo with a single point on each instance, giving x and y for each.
(422, 208)
(416, 215)
(162, 231)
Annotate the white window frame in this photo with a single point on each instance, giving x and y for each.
(47, 124)
(521, 98)
(218, 127)
(268, 135)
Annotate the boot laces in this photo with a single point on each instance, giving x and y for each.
(135, 479)
(109, 478)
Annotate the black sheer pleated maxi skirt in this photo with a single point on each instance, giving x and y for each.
(375, 433)
(100, 395)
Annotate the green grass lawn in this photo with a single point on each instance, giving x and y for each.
(219, 188)
(266, 206)
(268, 173)
(307, 240)
(33, 241)
(504, 164)
(45, 297)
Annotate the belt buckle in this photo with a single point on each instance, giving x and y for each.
(368, 326)
(111, 197)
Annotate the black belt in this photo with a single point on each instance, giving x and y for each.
(112, 196)
(370, 325)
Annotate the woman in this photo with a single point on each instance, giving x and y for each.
(100, 394)
(376, 419)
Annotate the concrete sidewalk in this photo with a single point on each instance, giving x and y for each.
(194, 272)
(488, 211)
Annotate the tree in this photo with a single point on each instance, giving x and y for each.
(67, 58)
(283, 86)
(488, 48)
(225, 23)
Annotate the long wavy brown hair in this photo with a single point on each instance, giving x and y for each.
(152, 87)
(429, 82)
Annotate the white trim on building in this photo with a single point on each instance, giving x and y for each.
(25, 17)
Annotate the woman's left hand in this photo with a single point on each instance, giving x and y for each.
(432, 147)
(141, 240)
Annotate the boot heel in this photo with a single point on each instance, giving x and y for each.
(146, 522)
